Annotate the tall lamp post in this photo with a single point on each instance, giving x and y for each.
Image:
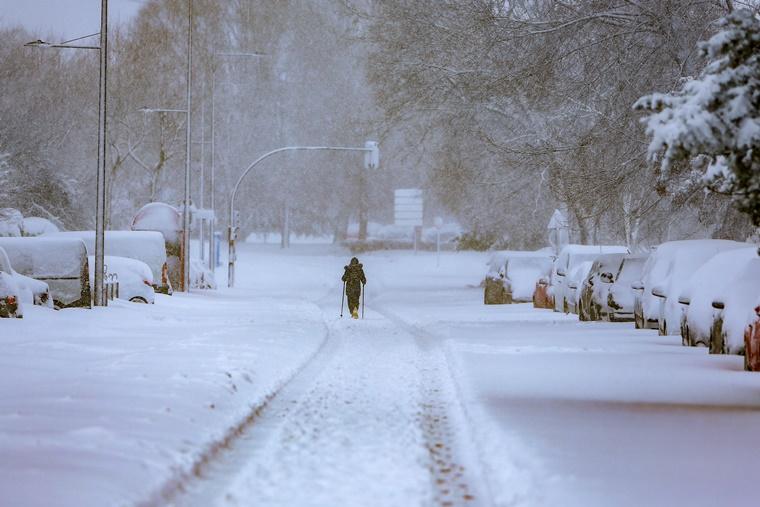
(188, 147)
(100, 193)
(212, 260)
(186, 207)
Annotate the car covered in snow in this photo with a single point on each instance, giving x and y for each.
(592, 301)
(522, 272)
(146, 246)
(570, 257)
(166, 219)
(31, 291)
(493, 283)
(61, 263)
(620, 297)
(10, 295)
(673, 265)
(574, 281)
(135, 278)
(718, 304)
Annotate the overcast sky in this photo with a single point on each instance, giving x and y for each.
(65, 18)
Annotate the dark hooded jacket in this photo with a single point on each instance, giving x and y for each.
(354, 277)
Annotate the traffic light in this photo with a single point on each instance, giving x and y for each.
(372, 155)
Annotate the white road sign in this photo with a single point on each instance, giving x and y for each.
(409, 207)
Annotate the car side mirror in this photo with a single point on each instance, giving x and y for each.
(658, 292)
(637, 286)
(684, 300)
(718, 305)
(606, 277)
(560, 272)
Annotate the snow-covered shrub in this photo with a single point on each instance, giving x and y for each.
(716, 115)
(36, 226)
(11, 222)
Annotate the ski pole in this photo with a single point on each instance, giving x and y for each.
(363, 301)
(342, 299)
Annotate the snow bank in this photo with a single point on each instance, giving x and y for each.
(104, 407)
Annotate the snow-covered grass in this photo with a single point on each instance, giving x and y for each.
(102, 407)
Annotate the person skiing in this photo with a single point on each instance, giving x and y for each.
(355, 280)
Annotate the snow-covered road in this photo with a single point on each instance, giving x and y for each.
(262, 395)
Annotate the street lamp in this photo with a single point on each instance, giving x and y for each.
(185, 225)
(212, 183)
(100, 193)
(189, 98)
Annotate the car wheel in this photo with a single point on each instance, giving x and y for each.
(685, 337)
(138, 299)
(565, 307)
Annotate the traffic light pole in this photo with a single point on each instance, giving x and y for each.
(371, 161)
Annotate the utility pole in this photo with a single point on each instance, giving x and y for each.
(100, 208)
(186, 207)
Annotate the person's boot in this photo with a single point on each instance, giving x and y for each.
(355, 313)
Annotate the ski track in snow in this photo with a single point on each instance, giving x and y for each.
(346, 435)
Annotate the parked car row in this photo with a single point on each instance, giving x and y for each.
(708, 291)
(57, 270)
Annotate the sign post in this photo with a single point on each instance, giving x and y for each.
(559, 231)
(438, 225)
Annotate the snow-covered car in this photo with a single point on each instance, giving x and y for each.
(493, 283)
(752, 342)
(37, 226)
(61, 263)
(712, 283)
(619, 307)
(574, 281)
(522, 272)
(146, 246)
(166, 219)
(10, 296)
(569, 257)
(30, 290)
(135, 278)
(592, 301)
(676, 262)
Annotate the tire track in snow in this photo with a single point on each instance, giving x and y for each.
(454, 468)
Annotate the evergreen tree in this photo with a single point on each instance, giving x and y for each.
(717, 115)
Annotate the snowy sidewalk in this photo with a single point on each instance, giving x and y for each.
(103, 407)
